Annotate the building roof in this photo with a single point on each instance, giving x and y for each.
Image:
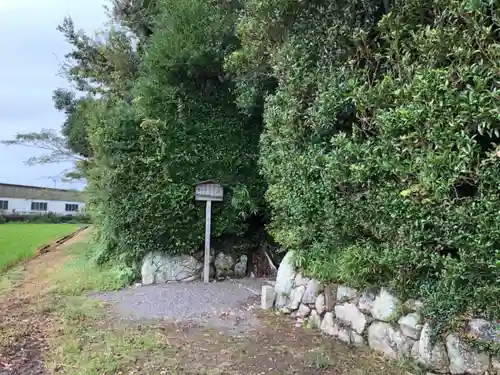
(40, 193)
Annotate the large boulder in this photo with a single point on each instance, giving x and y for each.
(432, 355)
(483, 330)
(313, 288)
(296, 297)
(411, 325)
(384, 338)
(284, 280)
(349, 314)
(386, 307)
(464, 360)
(158, 268)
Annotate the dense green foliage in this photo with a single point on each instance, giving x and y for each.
(379, 146)
(182, 127)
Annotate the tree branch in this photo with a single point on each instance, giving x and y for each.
(47, 140)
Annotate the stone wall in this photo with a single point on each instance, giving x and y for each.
(159, 268)
(380, 320)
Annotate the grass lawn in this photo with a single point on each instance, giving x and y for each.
(20, 241)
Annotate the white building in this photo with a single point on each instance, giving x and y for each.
(22, 200)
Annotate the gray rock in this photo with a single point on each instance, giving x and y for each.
(346, 294)
(330, 297)
(284, 280)
(240, 268)
(350, 315)
(224, 265)
(267, 297)
(386, 307)
(312, 290)
(384, 338)
(434, 357)
(320, 304)
(314, 319)
(414, 305)
(345, 334)
(357, 339)
(342, 333)
(495, 365)
(366, 301)
(303, 311)
(327, 324)
(158, 268)
(296, 297)
(484, 330)
(463, 360)
(414, 351)
(282, 300)
(301, 280)
(410, 325)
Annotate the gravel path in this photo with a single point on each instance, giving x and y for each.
(226, 305)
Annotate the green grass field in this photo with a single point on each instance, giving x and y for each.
(20, 241)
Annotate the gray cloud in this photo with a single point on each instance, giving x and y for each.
(29, 65)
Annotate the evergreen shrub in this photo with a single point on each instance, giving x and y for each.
(380, 142)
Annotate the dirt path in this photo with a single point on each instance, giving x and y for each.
(42, 332)
(23, 329)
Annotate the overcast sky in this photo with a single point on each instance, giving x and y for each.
(31, 52)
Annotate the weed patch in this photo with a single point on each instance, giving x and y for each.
(80, 275)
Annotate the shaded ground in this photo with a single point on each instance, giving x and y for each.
(45, 329)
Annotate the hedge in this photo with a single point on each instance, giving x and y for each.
(382, 120)
(182, 127)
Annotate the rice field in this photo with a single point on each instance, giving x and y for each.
(19, 241)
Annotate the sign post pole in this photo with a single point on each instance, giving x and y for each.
(208, 222)
(208, 191)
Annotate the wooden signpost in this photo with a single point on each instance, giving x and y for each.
(208, 191)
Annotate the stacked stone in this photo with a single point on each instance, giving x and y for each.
(380, 320)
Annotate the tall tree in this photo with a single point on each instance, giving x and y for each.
(183, 126)
(106, 64)
(75, 126)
